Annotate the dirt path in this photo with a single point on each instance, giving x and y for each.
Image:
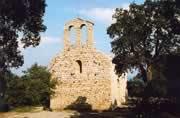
(43, 114)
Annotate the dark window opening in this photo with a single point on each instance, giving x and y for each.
(80, 65)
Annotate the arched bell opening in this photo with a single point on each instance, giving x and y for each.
(72, 34)
(84, 34)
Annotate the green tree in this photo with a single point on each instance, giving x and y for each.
(135, 87)
(142, 34)
(42, 82)
(20, 21)
(35, 87)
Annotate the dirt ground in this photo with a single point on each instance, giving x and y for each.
(42, 114)
(60, 114)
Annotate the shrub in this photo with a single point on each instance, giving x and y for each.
(35, 87)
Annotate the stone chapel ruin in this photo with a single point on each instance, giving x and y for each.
(82, 71)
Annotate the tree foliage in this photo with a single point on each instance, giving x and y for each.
(35, 87)
(20, 22)
(19, 18)
(135, 87)
(143, 33)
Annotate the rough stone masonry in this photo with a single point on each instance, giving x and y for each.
(84, 72)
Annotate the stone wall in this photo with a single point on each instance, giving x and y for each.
(97, 92)
(92, 82)
(82, 71)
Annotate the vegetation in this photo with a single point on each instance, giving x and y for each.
(20, 22)
(142, 34)
(35, 87)
(135, 88)
(26, 109)
(142, 38)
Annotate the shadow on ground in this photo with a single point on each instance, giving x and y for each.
(84, 110)
(142, 110)
(120, 113)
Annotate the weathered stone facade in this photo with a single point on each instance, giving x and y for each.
(82, 71)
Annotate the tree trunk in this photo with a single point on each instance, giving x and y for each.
(2, 87)
(147, 75)
(143, 73)
(149, 72)
(154, 71)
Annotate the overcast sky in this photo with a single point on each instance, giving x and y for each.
(58, 12)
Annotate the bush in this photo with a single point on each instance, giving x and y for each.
(35, 87)
(135, 88)
(80, 105)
